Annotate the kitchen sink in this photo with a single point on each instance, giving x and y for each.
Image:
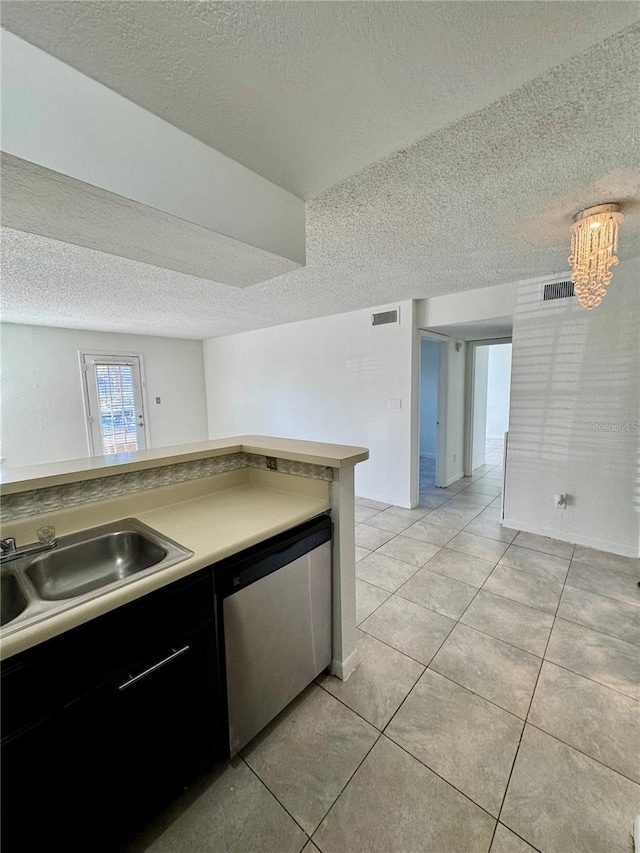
(81, 567)
(13, 601)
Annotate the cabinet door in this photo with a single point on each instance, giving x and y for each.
(168, 719)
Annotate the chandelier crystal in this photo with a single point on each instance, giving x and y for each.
(594, 246)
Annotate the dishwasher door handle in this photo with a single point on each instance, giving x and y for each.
(133, 679)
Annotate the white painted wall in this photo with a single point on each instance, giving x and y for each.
(498, 389)
(480, 387)
(43, 417)
(455, 410)
(574, 416)
(484, 303)
(429, 380)
(335, 379)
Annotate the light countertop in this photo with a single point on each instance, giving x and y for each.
(15, 480)
(213, 526)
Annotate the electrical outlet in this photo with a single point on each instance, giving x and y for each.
(272, 463)
(158, 401)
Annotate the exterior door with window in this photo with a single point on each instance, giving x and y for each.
(115, 407)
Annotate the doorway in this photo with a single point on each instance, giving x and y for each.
(489, 384)
(432, 431)
(114, 403)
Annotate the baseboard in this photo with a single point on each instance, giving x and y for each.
(342, 669)
(574, 539)
(455, 478)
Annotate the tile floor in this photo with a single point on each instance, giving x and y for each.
(496, 706)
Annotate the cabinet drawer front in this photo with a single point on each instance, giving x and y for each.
(37, 682)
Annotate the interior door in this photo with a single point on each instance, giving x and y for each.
(115, 404)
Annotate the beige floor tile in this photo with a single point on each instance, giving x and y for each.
(560, 800)
(439, 593)
(410, 628)
(409, 550)
(426, 531)
(310, 847)
(363, 513)
(396, 519)
(361, 553)
(368, 599)
(430, 500)
(379, 684)
(486, 486)
(515, 623)
(555, 547)
(234, 813)
(495, 670)
(532, 590)
(454, 517)
(535, 562)
(307, 755)
(384, 572)
(504, 841)
(590, 717)
(605, 560)
(460, 736)
(491, 530)
(466, 498)
(373, 504)
(600, 657)
(460, 567)
(608, 582)
(371, 537)
(394, 804)
(478, 546)
(603, 614)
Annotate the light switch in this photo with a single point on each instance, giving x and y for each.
(395, 403)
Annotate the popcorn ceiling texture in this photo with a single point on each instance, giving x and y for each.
(88, 491)
(483, 201)
(307, 94)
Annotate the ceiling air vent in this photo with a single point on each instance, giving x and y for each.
(558, 290)
(383, 318)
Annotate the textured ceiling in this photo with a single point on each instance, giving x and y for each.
(484, 201)
(308, 93)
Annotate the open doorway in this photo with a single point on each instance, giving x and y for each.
(432, 410)
(488, 403)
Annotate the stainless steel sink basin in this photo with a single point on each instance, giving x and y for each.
(13, 601)
(83, 566)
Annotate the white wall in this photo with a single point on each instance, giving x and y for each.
(335, 379)
(480, 387)
(574, 416)
(455, 410)
(483, 303)
(498, 389)
(43, 417)
(429, 381)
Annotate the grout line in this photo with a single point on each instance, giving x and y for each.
(264, 784)
(582, 752)
(535, 687)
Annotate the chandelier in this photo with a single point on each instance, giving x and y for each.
(594, 244)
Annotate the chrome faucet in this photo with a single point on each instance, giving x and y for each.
(10, 551)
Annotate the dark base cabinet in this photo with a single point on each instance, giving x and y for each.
(105, 724)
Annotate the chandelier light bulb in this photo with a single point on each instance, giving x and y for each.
(594, 247)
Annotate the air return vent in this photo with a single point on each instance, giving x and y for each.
(558, 290)
(383, 318)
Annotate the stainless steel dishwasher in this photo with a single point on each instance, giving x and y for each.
(274, 624)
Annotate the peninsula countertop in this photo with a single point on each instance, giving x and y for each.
(16, 480)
